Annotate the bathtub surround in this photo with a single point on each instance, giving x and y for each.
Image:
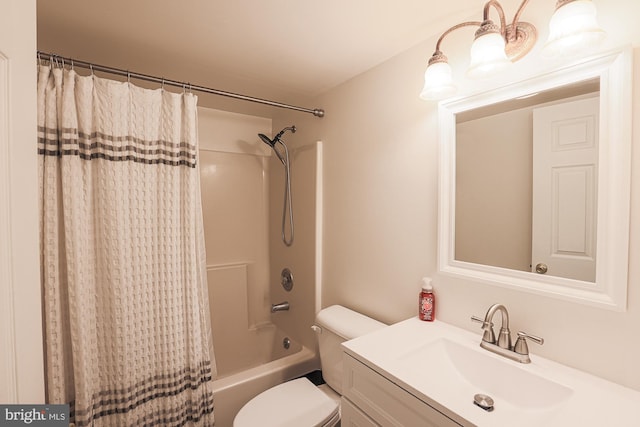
(124, 281)
(304, 257)
(242, 207)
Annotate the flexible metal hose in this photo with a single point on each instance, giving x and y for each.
(287, 199)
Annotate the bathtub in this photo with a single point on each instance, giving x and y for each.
(233, 389)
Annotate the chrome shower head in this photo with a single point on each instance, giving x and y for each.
(272, 142)
(266, 140)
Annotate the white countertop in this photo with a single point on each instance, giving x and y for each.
(582, 399)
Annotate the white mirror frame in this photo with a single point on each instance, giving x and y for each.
(614, 185)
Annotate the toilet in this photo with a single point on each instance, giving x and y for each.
(299, 403)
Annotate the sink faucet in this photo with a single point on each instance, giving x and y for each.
(502, 346)
(504, 337)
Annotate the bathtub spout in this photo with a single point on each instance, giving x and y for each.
(283, 306)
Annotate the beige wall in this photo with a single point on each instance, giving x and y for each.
(380, 216)
(494, 190)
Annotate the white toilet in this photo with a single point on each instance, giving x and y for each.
(299, 403)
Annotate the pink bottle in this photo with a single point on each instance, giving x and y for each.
(427, 301)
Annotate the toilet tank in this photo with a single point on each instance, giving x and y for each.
(335, 325)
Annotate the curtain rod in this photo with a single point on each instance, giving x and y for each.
(52, 58)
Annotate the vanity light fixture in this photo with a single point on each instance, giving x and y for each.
(573, 27)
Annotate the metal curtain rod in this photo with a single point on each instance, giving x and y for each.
(52, 58)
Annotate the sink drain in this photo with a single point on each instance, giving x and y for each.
(483, 401)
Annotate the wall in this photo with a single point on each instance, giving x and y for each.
(380, 197)
(494, 190)
(21, 363)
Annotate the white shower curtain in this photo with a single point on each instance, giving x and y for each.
(123, 262)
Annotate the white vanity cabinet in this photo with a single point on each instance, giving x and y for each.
(370, 399)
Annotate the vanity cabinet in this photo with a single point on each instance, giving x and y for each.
(369, 399)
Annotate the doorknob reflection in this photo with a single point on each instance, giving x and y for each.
(541, 268)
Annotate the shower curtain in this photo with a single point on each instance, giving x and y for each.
(126, 310)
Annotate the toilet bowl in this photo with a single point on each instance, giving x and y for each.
(300, 403)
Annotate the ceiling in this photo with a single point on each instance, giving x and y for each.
(279, 48)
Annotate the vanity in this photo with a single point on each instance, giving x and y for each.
(417, 373)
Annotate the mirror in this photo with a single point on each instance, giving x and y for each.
(507, 155)
(535, 183)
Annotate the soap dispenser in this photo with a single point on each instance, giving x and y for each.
(427, 301)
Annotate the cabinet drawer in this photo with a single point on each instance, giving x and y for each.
(353, 417)
(385, 402)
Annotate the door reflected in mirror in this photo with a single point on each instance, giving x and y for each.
(526, 183)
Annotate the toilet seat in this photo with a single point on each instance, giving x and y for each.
(296, 403)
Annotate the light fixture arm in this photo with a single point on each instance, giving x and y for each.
(516, 17)
(455, 27)
(498, 7)
(509, 32)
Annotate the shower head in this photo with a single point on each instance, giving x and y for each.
(272, 142)
(266, 140)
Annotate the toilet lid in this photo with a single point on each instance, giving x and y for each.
(295, 403)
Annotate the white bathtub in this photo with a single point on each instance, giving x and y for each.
(231, 392)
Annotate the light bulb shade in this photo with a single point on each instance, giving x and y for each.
(438, 82)
(573, 29)
(487, 55)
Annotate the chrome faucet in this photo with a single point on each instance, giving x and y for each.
(283, 306)
(502, 346)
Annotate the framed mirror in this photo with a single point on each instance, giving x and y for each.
(535, 183)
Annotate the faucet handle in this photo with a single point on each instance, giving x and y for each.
(488, 335)
(479, 320)
(521, 346)
(476, 319)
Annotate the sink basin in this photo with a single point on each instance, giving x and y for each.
(475, 371)
(444, 367)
